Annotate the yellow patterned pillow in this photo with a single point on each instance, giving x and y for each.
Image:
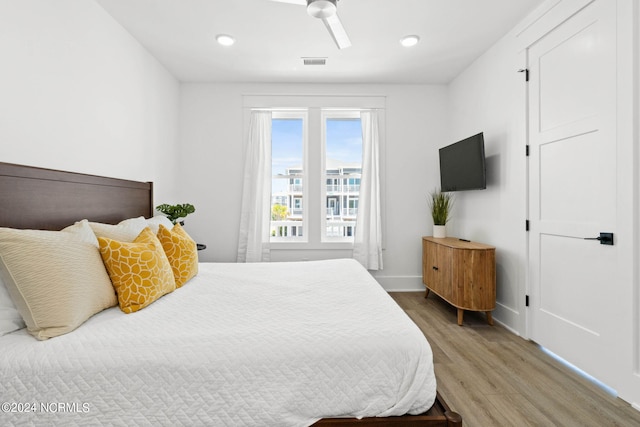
(181, 251)
(140, 271)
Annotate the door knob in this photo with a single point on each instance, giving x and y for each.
(604, 238)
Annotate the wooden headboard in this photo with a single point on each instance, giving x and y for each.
(49, 199)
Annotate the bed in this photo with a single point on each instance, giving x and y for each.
(309, 343)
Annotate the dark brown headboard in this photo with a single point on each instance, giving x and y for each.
(48, 199)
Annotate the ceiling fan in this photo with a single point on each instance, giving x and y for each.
(327, 11)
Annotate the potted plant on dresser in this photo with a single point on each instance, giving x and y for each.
(440, 204)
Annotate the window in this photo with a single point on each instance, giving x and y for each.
(287, 184)
(343, 167)
(316, 168)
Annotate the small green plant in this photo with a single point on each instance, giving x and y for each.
(176, 212)
(440, 204)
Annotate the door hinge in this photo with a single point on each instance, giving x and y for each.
(526, 225)
(526, 73)
(526, 300)
(527, 150)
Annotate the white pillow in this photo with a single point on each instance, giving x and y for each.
(124, 231)
(56, 279)
(154, 223)
(82, 230)
(10, 319)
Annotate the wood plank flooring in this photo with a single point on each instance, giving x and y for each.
(494, 378)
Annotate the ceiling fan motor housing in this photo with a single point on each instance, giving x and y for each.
(321, 8)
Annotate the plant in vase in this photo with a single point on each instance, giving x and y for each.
(440, 204)
(176, 212)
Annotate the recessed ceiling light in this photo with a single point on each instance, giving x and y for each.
(408, 41)
(225, 40)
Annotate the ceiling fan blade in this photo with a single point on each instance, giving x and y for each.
(299, 2)
(334, 25)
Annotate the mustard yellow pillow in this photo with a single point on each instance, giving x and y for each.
(140, 271)
(182, 252)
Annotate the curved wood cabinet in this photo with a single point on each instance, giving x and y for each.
(462, 273)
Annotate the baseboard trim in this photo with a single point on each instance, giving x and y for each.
(401, 283)
(507, 317)
(507, 327)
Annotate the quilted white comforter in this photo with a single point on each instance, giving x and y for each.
(280, 344)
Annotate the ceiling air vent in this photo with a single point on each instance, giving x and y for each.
(314, 61)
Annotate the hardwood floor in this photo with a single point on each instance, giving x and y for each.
(494, 378)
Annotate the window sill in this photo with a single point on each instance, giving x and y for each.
(306, 246)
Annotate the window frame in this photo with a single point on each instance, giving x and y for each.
(296, 115)
(314, 181)
(325, 115)
(312, 104)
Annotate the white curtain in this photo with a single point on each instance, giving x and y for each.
(367, 247)
(253, 241)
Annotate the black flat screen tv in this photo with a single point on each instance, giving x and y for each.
(462, 165)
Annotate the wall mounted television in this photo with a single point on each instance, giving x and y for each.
(462, 165)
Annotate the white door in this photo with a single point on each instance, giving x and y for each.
(572, 189)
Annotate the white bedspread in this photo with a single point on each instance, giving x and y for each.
(280, 344)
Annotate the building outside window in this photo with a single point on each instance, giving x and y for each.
(340, 162)
(287, 184)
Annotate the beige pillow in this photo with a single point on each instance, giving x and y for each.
(56, 278)
(124, 231)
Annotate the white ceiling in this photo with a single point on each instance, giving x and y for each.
(272, 37)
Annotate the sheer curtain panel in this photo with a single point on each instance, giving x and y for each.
(367, 246)
(253, 241)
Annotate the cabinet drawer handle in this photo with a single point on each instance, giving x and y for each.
(435, 268)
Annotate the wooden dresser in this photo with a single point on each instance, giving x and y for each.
(461, 272)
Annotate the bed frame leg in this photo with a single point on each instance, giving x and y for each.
(453, 419)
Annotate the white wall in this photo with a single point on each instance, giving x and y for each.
(489, 97)
(78, 93)
(211, 162)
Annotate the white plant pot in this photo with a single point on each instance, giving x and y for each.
(440, 231)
